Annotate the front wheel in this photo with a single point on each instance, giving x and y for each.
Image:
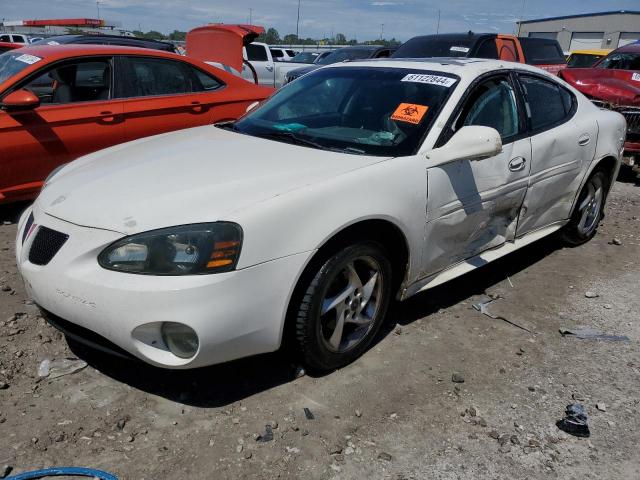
(589, 211)
(343, 306)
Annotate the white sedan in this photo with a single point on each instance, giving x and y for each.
(301, 221)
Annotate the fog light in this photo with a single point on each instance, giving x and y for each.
(180, 339)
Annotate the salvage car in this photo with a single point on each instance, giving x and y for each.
(586, 58)
(614, 83)
(120, 40)
(299, 223)
(58, 103)
(5, 46)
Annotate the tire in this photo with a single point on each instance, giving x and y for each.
(589, 210)
(351, 288)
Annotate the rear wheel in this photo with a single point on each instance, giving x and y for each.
(343, 306)
(589, 211)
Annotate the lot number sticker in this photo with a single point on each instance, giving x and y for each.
(429, 79)
(30, 59)
(410, 113)
(636, 77)
(459, 49)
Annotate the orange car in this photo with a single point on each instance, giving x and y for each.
(60, 102)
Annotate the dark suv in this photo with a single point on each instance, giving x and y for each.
(108, 40)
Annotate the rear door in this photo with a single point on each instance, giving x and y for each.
(473, 204)
(562, 142)
(77, 116)
(162, 95)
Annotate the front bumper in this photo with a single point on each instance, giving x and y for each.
(235, 314)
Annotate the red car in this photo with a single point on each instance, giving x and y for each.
(61, 102)
(4, 46)
(614, 83)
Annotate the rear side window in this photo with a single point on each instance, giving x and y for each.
(541, 51)
(276, 53)
(205, 82)
(256, 53)
(487, 49)
(548, 104)
(5, 38)
(154, 76)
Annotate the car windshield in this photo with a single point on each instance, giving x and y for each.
(367, 110)
(621, 61)
(13, 62)
(346, 54)
(582, 60)
(427, 47)
(305, 57)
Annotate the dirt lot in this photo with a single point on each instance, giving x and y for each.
(393, 414)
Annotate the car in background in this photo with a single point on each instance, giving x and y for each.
(585, 58)
(541, 52)
(282, 54)
(346, 54)
(309, 57)
(108, 40)
(613, 83)
(17, 38)
(58, 103)
(356, 184)
(4, 46)
(267, 69)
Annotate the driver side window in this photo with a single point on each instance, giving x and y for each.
(492, 104)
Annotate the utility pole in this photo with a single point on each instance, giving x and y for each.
(298, 23)
(381, 31)
(251, 16)
(98, 7)
(521, 16)
(438, 27)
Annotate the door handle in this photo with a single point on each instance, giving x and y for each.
(584, 140)
(517, 164)
(108, 116)
(269, 68)
(197, 107)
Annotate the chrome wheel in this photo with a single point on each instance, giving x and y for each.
(590, 209)
(350, 304)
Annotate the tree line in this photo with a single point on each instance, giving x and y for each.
(272, 37)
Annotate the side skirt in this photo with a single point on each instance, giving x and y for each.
(478, 261)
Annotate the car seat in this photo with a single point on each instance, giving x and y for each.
(64, 78)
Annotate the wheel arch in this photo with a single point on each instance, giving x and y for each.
(609, 164)
(382, 230)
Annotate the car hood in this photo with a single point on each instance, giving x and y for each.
(197, 175)
(298, 72)
(609, 85)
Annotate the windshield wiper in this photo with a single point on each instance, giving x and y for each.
(292, 138)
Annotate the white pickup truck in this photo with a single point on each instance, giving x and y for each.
(269, 71)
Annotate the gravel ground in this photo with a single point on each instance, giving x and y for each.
(395, 413)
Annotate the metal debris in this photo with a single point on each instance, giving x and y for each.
(592, 334)
(483, 308)
(575, 421)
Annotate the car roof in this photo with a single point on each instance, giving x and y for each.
(463, 67)
(633, 48)
(59, 52)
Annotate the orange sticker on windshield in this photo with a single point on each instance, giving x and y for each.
(410, 113)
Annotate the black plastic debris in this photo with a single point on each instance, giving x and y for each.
(575, 421)
(267, 436)
(592, 334)
(308, 414)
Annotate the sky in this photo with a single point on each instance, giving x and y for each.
(360, 19)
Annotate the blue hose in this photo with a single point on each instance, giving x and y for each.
(69, 471)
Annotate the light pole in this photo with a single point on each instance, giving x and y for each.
(438, 27)
(381, 30)
(251, 16)
(98, 8)
(298, 23)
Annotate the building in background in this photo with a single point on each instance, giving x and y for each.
(60, 26)
(588, 31)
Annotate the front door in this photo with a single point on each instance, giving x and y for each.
(473, 205)
(77, 116)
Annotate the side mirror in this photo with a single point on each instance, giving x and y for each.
(20, 100)
(468, 143)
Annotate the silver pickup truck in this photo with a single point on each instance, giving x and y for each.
(270, 72)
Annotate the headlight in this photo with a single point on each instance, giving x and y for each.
(186, 250)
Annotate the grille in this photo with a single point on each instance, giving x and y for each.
(27, 227)
(45, 245)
